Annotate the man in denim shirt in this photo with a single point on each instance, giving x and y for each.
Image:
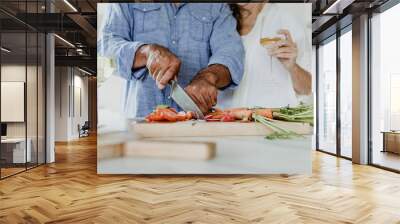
(151, 44)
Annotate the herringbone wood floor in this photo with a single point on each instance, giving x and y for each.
(70, 191)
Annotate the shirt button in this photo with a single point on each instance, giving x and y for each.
(175, 17)
(174, 42)
(204, 18)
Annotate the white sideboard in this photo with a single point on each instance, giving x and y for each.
(18, 154)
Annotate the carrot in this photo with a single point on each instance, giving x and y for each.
(243, 114)
(265, 112)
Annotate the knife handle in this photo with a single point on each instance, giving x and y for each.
(172, 82)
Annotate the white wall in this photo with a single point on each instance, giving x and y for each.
(16, 73)
(69, 82)
(79, 117)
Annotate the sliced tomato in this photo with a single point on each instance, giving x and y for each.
(228, 118)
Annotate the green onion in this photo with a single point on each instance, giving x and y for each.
(278, 132)
(302, 113)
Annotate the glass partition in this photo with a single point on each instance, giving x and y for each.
(22, 77)
(13, 105)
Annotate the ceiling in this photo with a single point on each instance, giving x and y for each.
(76, 22)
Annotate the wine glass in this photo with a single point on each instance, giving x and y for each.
(269, 36)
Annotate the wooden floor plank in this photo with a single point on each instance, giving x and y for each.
(70, 191)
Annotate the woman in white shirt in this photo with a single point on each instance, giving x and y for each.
(277, 75)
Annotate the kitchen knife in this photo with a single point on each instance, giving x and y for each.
(183, 100)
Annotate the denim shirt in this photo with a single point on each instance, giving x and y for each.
(198, 34)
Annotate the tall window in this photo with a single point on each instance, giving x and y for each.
(346, 94)
(395, 101)
(385, 89)
(327, 97)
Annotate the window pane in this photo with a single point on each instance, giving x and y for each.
(386, 89)
(346, 93)
(327, 97)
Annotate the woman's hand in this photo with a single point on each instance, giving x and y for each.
(285, 50)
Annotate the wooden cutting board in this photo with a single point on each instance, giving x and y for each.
(118, 145)
(169, 149)
(210, 129)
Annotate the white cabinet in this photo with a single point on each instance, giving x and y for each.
(17, 146)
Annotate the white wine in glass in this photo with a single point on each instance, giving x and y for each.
(267, 42)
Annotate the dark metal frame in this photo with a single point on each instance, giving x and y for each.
(316, 97)
(338, 98)
(369, 90)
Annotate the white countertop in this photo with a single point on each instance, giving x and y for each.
(235, 155)
(13, 140)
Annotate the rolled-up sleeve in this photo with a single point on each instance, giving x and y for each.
(115, 40)
(226, 45)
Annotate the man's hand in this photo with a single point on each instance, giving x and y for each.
(285, 50)
(162, 64)
(203, 89)
(203, 92)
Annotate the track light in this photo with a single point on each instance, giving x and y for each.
(5, 50)
(64, 40)
(84, 71)
(70, 5)
(332, 8)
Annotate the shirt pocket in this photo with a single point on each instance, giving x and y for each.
(146, 17)
(201, 24)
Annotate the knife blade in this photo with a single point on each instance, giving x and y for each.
(179, 95)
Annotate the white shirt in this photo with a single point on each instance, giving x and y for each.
(262, 86)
